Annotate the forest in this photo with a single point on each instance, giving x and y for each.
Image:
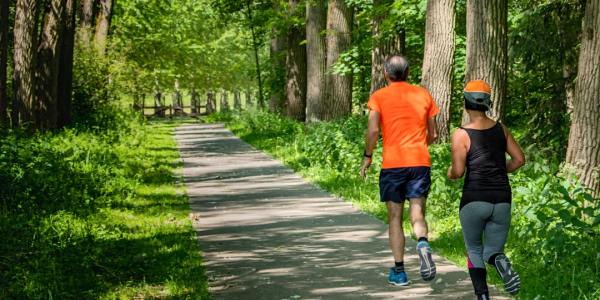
(90, 201)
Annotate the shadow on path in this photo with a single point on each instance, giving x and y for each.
(268, 234)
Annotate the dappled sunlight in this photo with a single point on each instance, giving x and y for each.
(266, 233)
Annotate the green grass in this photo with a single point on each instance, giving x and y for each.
(555, 236)
(97, 214)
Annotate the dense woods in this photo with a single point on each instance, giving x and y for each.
(67, 66)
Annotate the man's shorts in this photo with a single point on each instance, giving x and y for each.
(399, 184)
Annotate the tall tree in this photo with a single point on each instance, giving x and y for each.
(47, 64)
(25, 39)
(256, 46)
(316, 60)
(295, 87)
(86, 21)
(583, 152)
(277, 55)
(103, 25)
(65, 68)
(384, 44)
(339, 87)
(4, 7)
(487, 57)
(438, 59)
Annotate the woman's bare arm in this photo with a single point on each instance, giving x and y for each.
(517, 158)
(460, 147)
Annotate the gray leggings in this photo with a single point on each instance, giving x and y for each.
(487, 219)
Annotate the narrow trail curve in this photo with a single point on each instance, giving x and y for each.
(266, 233)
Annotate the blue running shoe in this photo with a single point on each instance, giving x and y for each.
(398, 278)
(427, 265)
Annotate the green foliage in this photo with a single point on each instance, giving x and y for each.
(92, 91)
(158, 42)
(555, 224)
(91, 213)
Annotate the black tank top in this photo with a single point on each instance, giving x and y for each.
(486, 179)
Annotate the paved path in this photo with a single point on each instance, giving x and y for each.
(266, 233)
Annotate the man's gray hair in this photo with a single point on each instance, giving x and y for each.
(396, 66)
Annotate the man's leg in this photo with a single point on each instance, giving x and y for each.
(397, 275)
(417, 218)
(395, 211)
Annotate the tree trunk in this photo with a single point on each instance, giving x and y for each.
(47, 64)
(211, 106)
(4, 8)
(248, 99)
(158, 104)
(339, 87)
(65, 68)
(261, 102)
(194, 101)
(487, 57)
(438, 59)
(25, 39)
(224, 102)
(316, 63)
(583, 152)
(103, 25)
(237, 101)
(277, 54)
(86, 21)
(295, 87)
(384, 45)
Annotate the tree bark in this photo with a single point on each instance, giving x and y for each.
(295, 87)
(383, 45)
(487, 57)
(65, 69)
(583, 151)
(278, 42)
(438, 59)
(103, 25)
(25, 39)
(47, 64)
(86, 21)
(339, 87)
(4, 8)
(316, 61)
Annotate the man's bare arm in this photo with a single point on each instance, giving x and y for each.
(371, 139)
(431, 131)
(372, 135)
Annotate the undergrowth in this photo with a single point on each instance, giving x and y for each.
(94, 212)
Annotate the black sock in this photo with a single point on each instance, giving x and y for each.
(422, 239)
(399, 266)
(478, 277)
(492, 260)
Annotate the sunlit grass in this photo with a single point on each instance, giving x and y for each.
(112, 223)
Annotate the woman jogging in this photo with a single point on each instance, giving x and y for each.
(480, 147)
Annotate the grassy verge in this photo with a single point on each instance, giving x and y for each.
(96, 214)
(555, 236)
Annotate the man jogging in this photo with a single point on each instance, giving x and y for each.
(406, 115)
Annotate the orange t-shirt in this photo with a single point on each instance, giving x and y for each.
(403, 113)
